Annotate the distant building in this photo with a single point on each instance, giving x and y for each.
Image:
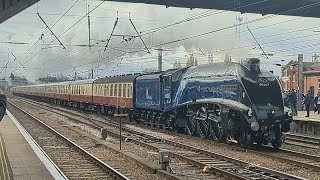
(311, 76)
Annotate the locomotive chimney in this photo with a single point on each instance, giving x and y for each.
(252, 64)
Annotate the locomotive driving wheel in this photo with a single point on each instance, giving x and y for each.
(202, 124)
(157, 120)
(191, 125)
(245, 139)
(216, 131)
(153, 119)
(278, 139)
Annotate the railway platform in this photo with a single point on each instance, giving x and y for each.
(308, 125)
(20, 157)
(313, 116)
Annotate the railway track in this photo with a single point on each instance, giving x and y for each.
(213, 162)
(74, 161)
(302, 140)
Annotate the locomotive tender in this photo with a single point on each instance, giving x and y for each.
(224, 101)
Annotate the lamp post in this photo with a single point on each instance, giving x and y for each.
(300, 81)
(291, 68)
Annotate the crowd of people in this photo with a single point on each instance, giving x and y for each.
(290, 100)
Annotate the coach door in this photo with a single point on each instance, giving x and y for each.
(166, 91)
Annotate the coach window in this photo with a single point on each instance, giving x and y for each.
(119, 90)
(115, 93)
(103, 90)
(130, 90)
(124, 94)
(111, 90)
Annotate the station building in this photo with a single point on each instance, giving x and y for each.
(310, 74)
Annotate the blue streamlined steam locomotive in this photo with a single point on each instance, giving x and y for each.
(223, 101)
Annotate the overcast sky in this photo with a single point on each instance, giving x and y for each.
(282, 36)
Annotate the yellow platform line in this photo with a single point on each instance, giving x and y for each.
(4, 161)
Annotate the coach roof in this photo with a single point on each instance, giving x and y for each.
(81, 82)
(116, 79)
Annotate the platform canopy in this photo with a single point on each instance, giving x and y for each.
(306, 8)
(9, 8)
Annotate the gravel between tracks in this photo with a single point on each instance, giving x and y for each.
(312, 151)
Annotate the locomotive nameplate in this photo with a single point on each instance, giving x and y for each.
(263, 82)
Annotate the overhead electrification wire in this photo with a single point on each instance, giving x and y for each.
(257, 43)
(63, 15)
(64, 32)
(114, 27)
(78, 15)
(139, 34)
(245, 23)
(51, 31)
(242, 24)
(182, 21)
(48, 30)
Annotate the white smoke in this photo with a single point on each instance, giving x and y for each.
(53, 60)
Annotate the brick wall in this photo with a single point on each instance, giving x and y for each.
(311, 81)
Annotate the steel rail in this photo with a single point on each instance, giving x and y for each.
(302, 139)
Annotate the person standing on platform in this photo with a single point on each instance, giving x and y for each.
(307, 102)
(317, 102)
(293, 102)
